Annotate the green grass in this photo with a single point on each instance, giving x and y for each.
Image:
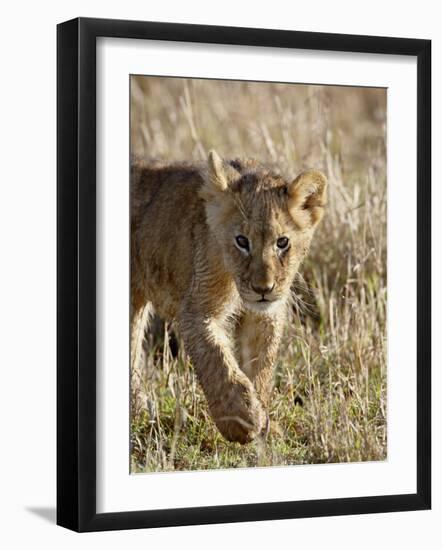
(329, 395)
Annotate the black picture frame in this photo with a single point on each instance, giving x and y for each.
(76, 273)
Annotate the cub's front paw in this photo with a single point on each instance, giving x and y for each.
(239, 414)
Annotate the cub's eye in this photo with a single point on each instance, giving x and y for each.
(282, 243)
(242, 242)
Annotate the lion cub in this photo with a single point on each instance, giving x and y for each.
(216, 248)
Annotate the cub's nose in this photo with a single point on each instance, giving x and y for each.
(264, 289)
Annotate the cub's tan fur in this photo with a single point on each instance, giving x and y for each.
(207, 251)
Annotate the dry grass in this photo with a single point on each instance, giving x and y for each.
(330, 379)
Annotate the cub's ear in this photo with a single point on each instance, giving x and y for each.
(220, 174)
(307, 196)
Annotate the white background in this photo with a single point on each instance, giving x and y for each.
(116, 490)
(27, 299)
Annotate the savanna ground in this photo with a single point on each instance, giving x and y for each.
(330, 379)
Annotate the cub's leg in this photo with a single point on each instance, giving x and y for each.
(140, 318)
(258, 338)
(232, 400)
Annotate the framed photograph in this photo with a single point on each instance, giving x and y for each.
(243, 274)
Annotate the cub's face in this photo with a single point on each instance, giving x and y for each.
(263, 224)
